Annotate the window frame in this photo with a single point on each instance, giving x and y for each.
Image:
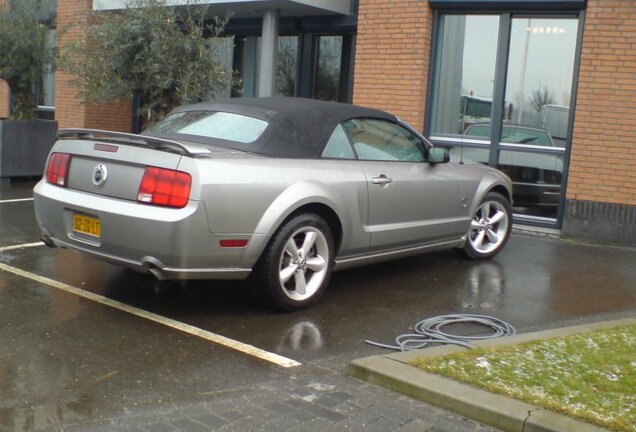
(536, 9)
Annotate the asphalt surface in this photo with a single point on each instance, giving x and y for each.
(69, 362)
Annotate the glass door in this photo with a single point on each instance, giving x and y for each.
(534, 139)
(501, 96)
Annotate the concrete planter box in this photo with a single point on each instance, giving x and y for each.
(24, 146)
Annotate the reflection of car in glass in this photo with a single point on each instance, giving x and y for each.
(287, 189)
(536, 176)
(554, 119)
(475, 109)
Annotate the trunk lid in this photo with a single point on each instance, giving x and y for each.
(113, 164)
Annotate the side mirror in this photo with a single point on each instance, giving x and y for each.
(438, 155)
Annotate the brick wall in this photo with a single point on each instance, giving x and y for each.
(69, 112)
(603, 162)
(392, 57)
(4, 99)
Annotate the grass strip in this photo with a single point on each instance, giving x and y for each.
(589, 376)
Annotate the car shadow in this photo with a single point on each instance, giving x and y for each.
(178, 298)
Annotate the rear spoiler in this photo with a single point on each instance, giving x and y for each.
(131, 139)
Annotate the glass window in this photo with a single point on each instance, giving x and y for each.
(383, 140)
(338, 146)
(328, 68)
(223, 50)
(465, 73)
(246, 60)
(539, 83)
(287, 66)
(213, 124)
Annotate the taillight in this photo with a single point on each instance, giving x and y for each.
(57, 169)
(165, 187)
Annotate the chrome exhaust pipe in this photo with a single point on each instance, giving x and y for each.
(47, 241)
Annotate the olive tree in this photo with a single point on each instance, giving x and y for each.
(24, 54)
(165, 55)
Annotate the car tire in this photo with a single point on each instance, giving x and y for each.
(296, 266)
(490, 227)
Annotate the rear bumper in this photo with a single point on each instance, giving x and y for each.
(168, 243)
(149, 264)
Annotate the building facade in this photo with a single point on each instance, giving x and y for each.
(541, 89)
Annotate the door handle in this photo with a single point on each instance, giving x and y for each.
(381, 180)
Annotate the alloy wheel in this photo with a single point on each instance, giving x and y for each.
(489, 227)
(304, 263)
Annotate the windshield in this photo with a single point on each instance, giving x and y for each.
(213, 124)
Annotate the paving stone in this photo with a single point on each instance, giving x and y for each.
(295, 402)
(315, 425)
(326, 413)
(232, 415)
(186, 424)
(332, 403)
(302, 414)
(455, 422)
(279, 425)
(365, 415)
(261, 413)
(363, 401)
(334, 399)
(415, 425)
(158, 427)
(211, 421)
(382, 424)
(248, 423)
(395, 411)
(346, 409)
(278, 408)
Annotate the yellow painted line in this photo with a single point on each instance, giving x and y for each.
(168, 322)
(15, 200)
(20, 246)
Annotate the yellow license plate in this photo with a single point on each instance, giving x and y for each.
(86, 225)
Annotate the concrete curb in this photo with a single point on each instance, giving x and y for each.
(393, 371)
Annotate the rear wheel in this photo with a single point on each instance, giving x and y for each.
(489, 228)
(296, 266)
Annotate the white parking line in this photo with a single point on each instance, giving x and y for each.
(21, 246)
(177, 325)
(15, 200)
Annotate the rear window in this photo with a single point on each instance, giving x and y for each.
(213, 124)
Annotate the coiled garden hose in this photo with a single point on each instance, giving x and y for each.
(430, 331)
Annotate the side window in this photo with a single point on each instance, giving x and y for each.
(384, 141)
(338, 146)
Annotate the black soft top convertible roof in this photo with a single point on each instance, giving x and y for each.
(298, 127)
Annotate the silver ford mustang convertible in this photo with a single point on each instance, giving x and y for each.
(284, 189)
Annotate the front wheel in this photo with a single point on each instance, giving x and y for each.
(296, 266)
(489, 228)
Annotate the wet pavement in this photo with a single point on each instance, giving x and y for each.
(68, 363)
